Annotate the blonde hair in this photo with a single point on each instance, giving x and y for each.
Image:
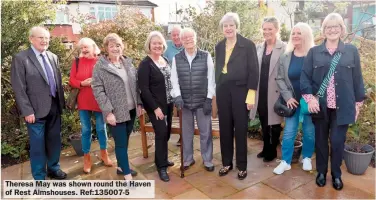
(112, 37)
(230, 16)
(336, 18)
(88, 41)
(148, 40)
(189, 30)
(273, 20)
(307, 38)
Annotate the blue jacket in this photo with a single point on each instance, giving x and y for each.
(348, 79)
(171, 51)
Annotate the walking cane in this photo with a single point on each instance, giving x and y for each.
(181, 145)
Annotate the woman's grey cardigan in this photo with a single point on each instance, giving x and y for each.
(109, 88)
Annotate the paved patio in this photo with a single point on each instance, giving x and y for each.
(199, 184)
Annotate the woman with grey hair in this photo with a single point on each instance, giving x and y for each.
(154, 80)
(115, 89)
(332, 85)
(236, 78)
(80, 78)
(268, 53)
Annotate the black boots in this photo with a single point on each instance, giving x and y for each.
(271, 140)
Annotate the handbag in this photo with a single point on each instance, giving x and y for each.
(303, 104)
(72, 97)
(280, 107)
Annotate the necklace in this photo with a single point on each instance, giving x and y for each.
(117, 65)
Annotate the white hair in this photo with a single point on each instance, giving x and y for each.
(88, 41)
(175, 27)
(148, 40)
(307, 38)
(228, 17)
(189, 30)
(37, 28)
(336, 18)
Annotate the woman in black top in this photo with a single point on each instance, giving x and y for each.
(154, 74)
(268, 54)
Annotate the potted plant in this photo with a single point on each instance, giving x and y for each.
(357, 154)
(75, 141)
(254, 127)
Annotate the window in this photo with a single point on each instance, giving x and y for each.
(93, 15)
(101, 13)
(114, 12)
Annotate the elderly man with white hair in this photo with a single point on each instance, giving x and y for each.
(193, 87)
(37, 85)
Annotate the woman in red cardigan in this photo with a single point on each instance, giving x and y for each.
(80, 77)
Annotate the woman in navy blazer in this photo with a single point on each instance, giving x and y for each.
(342, 99)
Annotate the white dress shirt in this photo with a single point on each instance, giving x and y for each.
(175, 92)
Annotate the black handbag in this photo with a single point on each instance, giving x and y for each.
(280, 107)
(72, 97)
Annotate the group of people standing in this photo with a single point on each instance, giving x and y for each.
(245, 78)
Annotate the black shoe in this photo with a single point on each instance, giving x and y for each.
(187, 167)
(133, 173)
(170, 164)
(224, 170)
(209, 169)
(242, 175)
(163, 175)
(59, 174)
(321, 180)
(268, 159)
(260, 155)
(337, 183)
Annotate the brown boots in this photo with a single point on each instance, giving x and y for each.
(105, 159)
(87, 163)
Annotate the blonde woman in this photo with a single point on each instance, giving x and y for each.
(288, 81)
(268, 53)
(115, 89)
(154, 80)
(342, 96)
(81, 77)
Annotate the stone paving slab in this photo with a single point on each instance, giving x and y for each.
(261, 183)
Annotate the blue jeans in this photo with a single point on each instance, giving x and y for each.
(85, 118)
(290, 131)
(119, 132)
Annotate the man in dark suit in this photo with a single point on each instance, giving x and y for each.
(36, 82)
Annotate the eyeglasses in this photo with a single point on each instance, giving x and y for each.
(336, 27)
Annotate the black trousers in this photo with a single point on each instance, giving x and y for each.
(162, 129)
(233, 122)
(337, 143)
(270, 134)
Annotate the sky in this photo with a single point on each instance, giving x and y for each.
(166, 8)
